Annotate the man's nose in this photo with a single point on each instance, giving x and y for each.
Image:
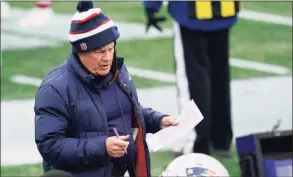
(107, 55)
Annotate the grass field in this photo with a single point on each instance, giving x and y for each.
(154, 54)
(250, 40)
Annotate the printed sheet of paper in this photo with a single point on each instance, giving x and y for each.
(188, 119)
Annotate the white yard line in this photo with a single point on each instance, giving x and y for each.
(266, 17)
(170, 77)
(234, 62)
(151, 74)
(26, 80)
(257, 66)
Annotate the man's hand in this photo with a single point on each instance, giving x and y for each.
(115, 147)
(152, 20)
(168, 121)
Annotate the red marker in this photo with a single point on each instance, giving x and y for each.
(117, 135)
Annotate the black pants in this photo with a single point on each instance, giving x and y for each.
(202, 59)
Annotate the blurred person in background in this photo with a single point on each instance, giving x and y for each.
(201, 51)
(38, 16)
(80, 102)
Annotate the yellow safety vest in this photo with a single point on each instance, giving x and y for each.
(205, 10)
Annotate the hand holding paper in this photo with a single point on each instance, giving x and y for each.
(188, 119)
(169, 121)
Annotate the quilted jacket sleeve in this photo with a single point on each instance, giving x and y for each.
(153, 119)
(51, 124)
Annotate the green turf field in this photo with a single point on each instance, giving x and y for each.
(257, 41)
(248, 41)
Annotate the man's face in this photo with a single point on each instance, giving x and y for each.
(98, 61)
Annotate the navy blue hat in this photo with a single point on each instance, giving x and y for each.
(91, 28)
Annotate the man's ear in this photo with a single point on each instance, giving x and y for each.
(81, 55)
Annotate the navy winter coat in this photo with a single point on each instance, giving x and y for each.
(70, 122)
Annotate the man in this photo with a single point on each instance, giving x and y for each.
(80, 103)
(201, 49)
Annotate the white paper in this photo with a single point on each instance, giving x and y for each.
(188, 119)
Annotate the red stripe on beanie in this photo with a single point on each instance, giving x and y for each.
(80, 32)
(88, 18)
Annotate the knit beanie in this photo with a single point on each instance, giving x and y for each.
(91, 28)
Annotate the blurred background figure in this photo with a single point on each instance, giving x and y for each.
(38, 16)
(5, 10)
(201, 51)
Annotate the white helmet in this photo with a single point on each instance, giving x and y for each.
(195, 164)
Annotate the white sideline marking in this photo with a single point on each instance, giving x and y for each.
(253, 65)
(235, 62)
(28, 80)
(150, 74)
(170, 77)
(266, 17)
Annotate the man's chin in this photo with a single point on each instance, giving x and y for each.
(103, 73)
